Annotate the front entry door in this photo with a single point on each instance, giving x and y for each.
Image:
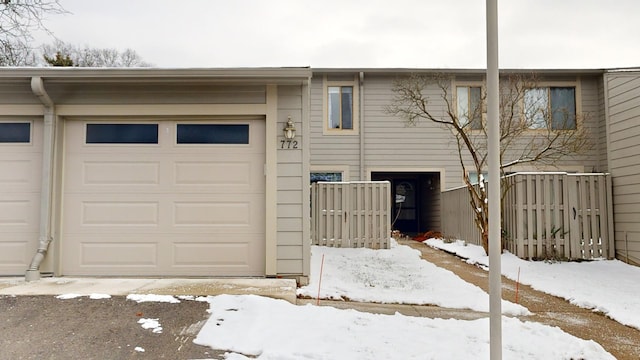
(406, 210)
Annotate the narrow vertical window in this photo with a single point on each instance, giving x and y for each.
(340, 107)
(469, 106)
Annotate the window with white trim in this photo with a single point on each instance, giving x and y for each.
(15, 132)
(469, 106)
(550, 108)
(340, 107)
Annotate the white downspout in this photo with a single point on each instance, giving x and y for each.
(46, 191)
(361, 122)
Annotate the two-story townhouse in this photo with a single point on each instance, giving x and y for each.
(194, 172)
(355, 137)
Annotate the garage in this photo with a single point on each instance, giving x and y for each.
(20, 169)
(164, 197)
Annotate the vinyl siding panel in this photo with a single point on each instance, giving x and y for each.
(292, 223)
(17, 92)
(623, 106)
(193, 93)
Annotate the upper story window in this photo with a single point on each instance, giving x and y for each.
(469, 106)
(340, 110)
(341, 107)
(550, 108)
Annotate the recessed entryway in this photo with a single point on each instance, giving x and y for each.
(415, 199)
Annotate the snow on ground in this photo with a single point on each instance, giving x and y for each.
(396, 275)
(275, 329)
(608, 286)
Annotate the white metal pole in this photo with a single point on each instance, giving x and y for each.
(493, 129)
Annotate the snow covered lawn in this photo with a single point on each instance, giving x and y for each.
(397, 275)
(608, 286)
(275, 329)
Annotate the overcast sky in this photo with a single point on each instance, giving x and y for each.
(351, 33)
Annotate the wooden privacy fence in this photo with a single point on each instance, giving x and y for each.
(351, 214)
(545, 215)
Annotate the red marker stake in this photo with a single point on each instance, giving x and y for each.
(320, 280)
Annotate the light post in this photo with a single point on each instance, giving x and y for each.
(493, 129)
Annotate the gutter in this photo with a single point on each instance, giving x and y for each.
(46, 190)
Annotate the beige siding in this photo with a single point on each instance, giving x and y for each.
(623, 107)
(327, 150)
(17, 92)
(392, 143)
(292, 224)
(144, 93)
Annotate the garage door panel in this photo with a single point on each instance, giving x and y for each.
(221, 173)
(198, 257)
(212, 213)
(20, 182)
(118, 254)
(191, 210)
(121, 213)
(15, 250)
(194, 254)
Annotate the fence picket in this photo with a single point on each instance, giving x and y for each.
(544, 215)
(352, 214)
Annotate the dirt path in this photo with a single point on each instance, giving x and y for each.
(620, 340)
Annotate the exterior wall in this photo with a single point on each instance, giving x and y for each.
(293, 184)
(389, 142)
(386, 143)
(623, 131)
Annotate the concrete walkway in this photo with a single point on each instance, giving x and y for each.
(275, 288)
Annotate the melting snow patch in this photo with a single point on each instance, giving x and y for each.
(152, 298)
(152, 324)
(68, 296)
(99, 296)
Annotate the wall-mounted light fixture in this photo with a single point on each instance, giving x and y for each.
(289, 130)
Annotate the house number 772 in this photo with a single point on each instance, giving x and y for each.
(288, 144)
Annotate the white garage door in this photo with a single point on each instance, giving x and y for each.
(20, 177)
(176, 198)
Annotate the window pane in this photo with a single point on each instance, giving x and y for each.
(122, 133)
(475, 103)
(347, 107)
(563, 108)
(536, 105)
(15, 132)
(325, 176)
(334, 107)
(462, 96)
(213, 134)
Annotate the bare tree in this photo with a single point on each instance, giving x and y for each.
(94, 57)
(18, 19)
(16, 54)
(531, 130)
